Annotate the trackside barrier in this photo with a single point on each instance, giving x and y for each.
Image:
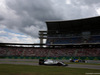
(60, 58)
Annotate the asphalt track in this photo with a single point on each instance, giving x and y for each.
(35, 62)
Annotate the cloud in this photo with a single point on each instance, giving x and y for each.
(25, 14)
(84, 2)
(18, 40)
(29, 16)
(1, 18)
(12, 37)
(91, 2)
(75, 9)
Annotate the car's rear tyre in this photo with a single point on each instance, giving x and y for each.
(59, 64)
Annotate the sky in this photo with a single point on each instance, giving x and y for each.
(21, 20)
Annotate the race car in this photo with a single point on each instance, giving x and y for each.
(77, 60)
(51, 62)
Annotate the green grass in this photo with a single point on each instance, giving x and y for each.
(7, 69)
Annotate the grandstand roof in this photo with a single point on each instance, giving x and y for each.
(75, 25)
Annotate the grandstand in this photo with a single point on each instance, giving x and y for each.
(64, 40)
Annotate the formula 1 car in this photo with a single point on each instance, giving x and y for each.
(50, 62)
(77, 60)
